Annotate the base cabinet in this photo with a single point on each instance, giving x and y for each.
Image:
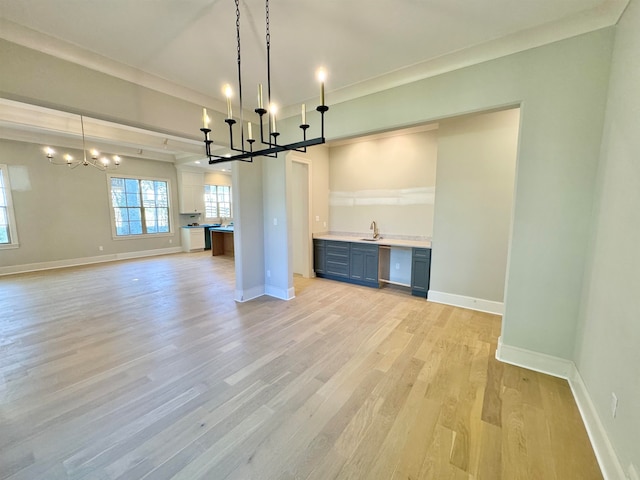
(192, 239)
(363, 264)
(319, 257)
(420, 271)
(346, 261)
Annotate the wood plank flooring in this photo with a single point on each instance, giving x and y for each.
(147, 369)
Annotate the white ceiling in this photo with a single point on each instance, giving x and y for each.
(187, 48)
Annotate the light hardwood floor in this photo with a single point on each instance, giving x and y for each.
(148, 369)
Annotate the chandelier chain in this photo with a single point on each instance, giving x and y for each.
(268, 31)
(239, 66)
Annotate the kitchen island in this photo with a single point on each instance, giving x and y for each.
(222, 240)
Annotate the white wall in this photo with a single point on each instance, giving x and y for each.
(64, 215)
(249, 234)
(608, 345)
(476, 172)
(390, 180)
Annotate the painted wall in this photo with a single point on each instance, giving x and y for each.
(278, 257)
(476, 172)
(64, 214)
(249, 234)
(608, 353)
(390, 180)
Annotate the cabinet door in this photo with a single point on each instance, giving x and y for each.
(371, 267)
(318, 256)
(356, 264)
(364, 263)
(197, 239)
(420, 269)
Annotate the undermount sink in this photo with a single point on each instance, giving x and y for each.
(370, 239)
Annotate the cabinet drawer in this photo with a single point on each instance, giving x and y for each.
(363, 247)
(422, 253)
(337, 268)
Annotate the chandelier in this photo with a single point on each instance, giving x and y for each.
(96, 161)
(268, 139)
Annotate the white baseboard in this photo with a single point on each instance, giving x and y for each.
(560, 367)
(249, 294)
(539, 362)
(609, 463)
(281, 293)
(471, 303)
(75, 262)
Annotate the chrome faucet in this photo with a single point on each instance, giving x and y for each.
(374, 227)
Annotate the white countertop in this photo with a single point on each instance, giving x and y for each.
(390, 242)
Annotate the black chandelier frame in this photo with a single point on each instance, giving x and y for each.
(270, 143)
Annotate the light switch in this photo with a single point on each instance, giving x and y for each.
(317, 218)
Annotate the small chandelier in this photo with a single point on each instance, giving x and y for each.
(96, 161)
(268, 139)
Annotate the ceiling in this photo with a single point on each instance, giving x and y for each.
(187, 48)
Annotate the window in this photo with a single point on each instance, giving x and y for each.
(217, 200)
(140, 206)
(8, 234)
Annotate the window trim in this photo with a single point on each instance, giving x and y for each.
(112, 213)
(13, 230)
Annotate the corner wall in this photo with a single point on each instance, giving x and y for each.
(608, 344)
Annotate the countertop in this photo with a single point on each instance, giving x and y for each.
(390, 242)
(228, 228)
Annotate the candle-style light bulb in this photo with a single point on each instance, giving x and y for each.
(273, 109)
(205, 118)
(249, 131)
(49, 151)
(304, 114)
(116, 160)
(68, 158)
(227, 93)
(322, 76)
(260, 102)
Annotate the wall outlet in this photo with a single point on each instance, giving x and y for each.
(325, 224)
(170, 241)
(614, 405)
(268, 273)
(275, 221)
(397, 266)
(317, 218)
(100, 248)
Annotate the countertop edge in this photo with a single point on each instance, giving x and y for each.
(389, 242)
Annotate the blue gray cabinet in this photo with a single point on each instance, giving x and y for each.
(336, 257)
(420, 271)
(363, 264)
(346, 261)
(319, 256)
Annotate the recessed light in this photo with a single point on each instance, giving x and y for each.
(197, 161)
